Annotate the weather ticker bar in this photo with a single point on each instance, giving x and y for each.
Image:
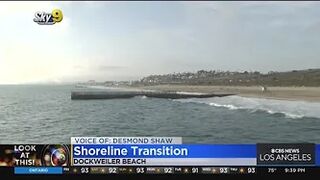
(148, 170)
(159, 170)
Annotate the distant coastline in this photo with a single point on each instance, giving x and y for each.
(310, 94)
(302, 85)
(308, 77)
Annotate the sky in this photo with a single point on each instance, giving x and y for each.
(106, 41)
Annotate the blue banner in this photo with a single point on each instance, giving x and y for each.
(38, 170)
(165, 151)
(318, 155)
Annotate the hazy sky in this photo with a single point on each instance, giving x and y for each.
(129, 40)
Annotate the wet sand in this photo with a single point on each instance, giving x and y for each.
(311, 94)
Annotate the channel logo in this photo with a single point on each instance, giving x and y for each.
(55, 155)
(43, 18)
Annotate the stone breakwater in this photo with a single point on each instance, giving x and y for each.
(82, 95)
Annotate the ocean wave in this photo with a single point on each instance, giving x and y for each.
(229, 106)
(189, 93)
(143, 97)
(290, 109)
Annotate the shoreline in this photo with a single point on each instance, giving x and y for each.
(309, 94)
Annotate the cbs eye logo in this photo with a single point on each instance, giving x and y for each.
(43, 18)
(55, 155)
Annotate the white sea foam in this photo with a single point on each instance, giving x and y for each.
(291, 109)
(189, 93)
(229, 106)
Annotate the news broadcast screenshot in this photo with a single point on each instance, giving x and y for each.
(159, 88)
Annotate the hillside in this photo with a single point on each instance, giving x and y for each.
(309, 77)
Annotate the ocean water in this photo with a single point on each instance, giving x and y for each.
(46, 114)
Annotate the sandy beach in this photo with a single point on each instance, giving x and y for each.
(311, 94)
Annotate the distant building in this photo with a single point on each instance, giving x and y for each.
(264, 89)
(91, 82)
